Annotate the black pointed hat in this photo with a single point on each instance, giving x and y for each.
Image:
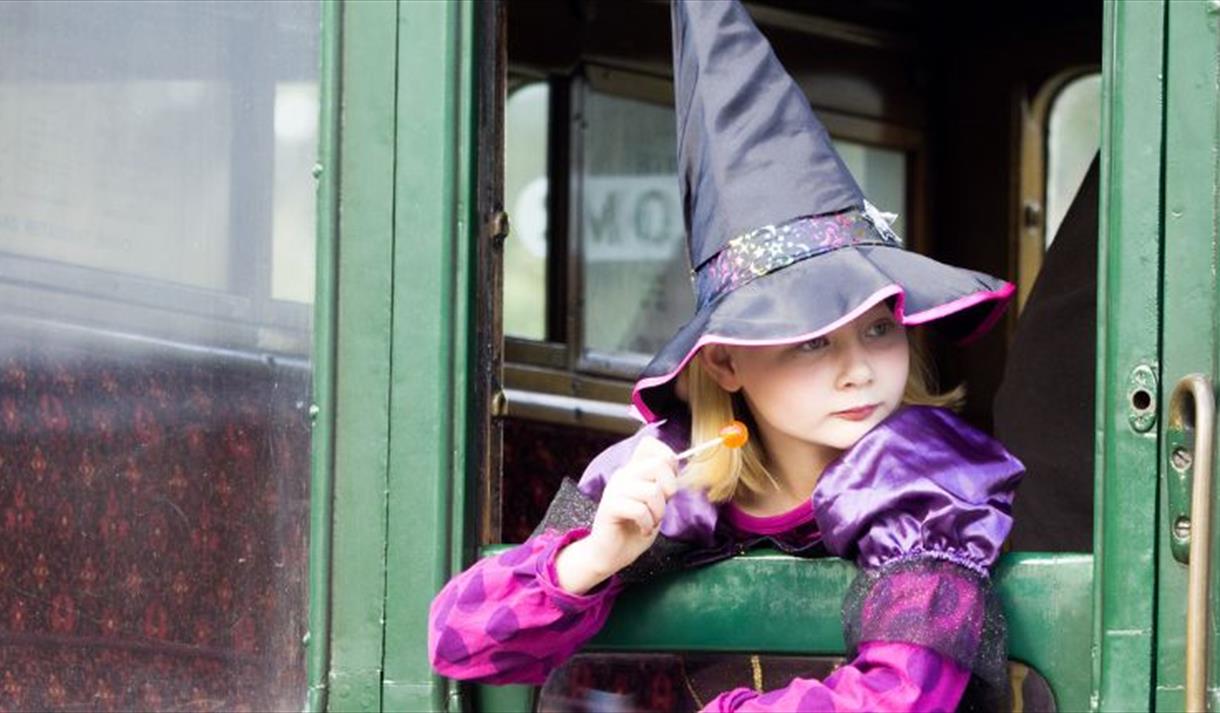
(783, 244)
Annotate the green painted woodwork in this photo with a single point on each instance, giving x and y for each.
(394, 335)
(1048, 602)
(362, 351)
(503, 699)
(1128, 337)
(1189, 302)
(770, 602)
(322, 410)
(432, 326)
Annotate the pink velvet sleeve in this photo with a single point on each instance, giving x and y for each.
(506, 619)
(885, 676)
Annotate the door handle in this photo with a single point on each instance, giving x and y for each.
(1193, 408)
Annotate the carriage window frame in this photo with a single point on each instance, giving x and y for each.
(560, 365)
(273, 324)
(1030, 215)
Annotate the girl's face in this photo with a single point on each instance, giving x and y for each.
(828, 391)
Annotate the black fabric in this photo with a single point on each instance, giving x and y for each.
(1044, 409)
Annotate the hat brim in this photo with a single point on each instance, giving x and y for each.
(812, 297)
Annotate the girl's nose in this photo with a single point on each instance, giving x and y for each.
(856, 370)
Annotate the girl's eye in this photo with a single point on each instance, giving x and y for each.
(813, 344)
(881, 328)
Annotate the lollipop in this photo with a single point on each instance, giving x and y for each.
(734, 435)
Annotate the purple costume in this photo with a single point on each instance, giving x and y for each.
(921, 503)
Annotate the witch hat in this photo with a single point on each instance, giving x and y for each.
(783, 244)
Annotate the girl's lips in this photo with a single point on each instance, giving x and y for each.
(856, 414)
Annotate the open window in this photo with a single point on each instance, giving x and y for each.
(921, 101)
(596, 275)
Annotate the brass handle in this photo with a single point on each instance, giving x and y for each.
(1196, 390)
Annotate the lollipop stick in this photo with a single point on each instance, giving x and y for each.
(696, 450)
(733, 436)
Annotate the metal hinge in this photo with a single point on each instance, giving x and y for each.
(497, 227)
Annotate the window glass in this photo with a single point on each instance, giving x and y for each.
(1073, 135)
(525, 195)
(636, 274)
(882, 175)
(95, 172)
(293, 218)
(156, 274)
(636, 279)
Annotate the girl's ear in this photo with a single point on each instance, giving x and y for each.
(718, 363)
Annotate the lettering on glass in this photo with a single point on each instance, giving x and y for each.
(632, 218)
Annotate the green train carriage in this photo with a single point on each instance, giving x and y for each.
(276, 365)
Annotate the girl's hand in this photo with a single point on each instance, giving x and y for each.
(628, 519)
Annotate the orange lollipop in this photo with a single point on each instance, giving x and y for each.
(733, 435)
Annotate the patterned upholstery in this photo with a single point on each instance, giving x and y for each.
(537, 457)
(154, 507)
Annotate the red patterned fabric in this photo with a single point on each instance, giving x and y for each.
(537, 457)
(154, 509)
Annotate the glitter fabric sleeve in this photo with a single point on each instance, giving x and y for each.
(506, 619)
(883, 677)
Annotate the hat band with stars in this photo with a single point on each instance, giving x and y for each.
(765, 250)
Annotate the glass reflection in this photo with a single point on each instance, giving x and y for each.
(1073, 135)
(156, 280)
(526, 125)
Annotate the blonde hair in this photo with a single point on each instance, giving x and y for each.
(722, 471)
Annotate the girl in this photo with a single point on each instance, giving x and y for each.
(804, 294)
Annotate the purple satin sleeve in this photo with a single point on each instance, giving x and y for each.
(689, 515)
(922, 483)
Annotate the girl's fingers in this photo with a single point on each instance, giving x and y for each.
(651, 448)
(668, 480)
(627, 510)
(650, 494)
(653, 470)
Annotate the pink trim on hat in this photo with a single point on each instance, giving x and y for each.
(868, 303)
(962, 303)
(1001, 295)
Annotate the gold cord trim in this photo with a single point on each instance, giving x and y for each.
(689, 687)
